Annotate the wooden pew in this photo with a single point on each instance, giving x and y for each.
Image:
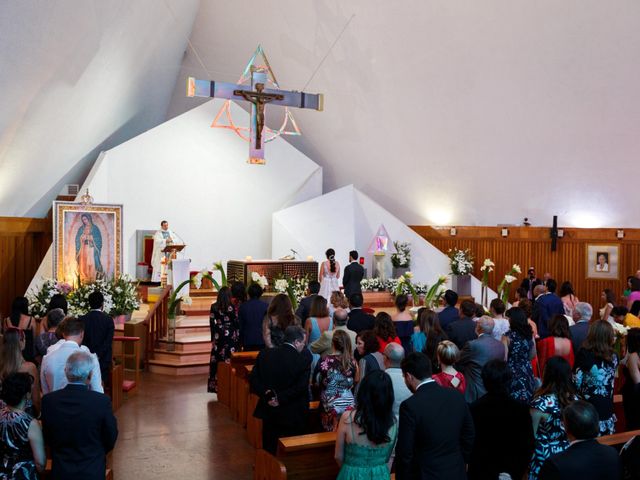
(308, 457)
(617, 440)
(242, 393)
(117, 377)
(254, 425)
(224, 379)
(238, 359)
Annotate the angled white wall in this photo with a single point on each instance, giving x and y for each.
(346, 219)
(197, 178)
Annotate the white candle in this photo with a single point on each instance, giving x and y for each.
(248, 258)
(310, 258)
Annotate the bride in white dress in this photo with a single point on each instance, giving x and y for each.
(329, 275)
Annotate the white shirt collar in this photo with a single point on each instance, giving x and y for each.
(424, 382)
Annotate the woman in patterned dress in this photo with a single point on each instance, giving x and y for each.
(595, 372)
(557, 392)
(225, 335)
(22, 452)
(336, 377)
(520, 351)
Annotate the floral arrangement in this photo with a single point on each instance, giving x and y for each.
(124, 294)
(405, 286)
(505, 284)
(486, 268)
(259, 279)
(295, 288)
(461, 261)
(39, 299)
(435, 293)
(402, 257)
(78, 299)
(620, 332)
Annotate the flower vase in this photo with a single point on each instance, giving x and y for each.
(399, 271)
(171, 334)
(461, 284)
(485, 296)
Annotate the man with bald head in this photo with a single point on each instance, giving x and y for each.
(393, 356)
(323, 345)
(476, 354)
(547, 305)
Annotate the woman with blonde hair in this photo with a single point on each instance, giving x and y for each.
(448, 355)
(338, 300)
(336, 378)
(13, 361)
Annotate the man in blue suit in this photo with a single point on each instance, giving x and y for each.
(547, 305)
(449, 313)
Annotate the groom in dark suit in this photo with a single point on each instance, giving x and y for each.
(353, 275)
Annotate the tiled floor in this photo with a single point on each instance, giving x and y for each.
(173, 429)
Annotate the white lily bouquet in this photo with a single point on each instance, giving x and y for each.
(435, 293)
(461, 261)
(295, 288)
(259, 279)
(402, 257)
(39, 299)
(486, 268)
(505, 284)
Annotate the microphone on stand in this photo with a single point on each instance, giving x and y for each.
(294, 252)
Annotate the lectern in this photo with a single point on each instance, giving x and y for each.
(179, 267)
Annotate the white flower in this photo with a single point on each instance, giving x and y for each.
(509, 278)
(197, 280)
(488, 263)
(186, 299)
(281, 285)
(408, 275)
(401, 279)
(619, 329)
(442, 279)
(516, 268)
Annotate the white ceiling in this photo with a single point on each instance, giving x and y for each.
(444, 112)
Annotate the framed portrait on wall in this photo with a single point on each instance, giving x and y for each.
(87, 242)
(602, 261)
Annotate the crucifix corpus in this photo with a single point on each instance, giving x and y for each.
(259, 97)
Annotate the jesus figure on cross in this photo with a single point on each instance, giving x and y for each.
(259, 99)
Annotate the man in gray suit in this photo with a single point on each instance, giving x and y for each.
(476, 354)
(582, 314)
(324, 345)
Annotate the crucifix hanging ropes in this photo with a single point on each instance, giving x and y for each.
(259, 96)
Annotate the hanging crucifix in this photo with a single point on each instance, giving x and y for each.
(259, 97)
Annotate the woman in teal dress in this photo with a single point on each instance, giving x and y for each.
(367, 435)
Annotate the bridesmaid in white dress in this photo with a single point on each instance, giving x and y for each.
(329, 275)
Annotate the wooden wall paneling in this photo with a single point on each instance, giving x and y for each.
(531, 246)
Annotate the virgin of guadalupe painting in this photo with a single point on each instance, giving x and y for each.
(87, 242)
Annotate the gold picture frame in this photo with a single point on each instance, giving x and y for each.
(87, 242)
(603, 262)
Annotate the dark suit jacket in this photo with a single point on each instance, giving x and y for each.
(98, 337)
(351, 278)
(586, 460)
(461, 331)
(475, 355)
(304, 307)
(528, 286)
(545, 307)
(502, 425)
(250, 316)
(578, 334)
(359, 321)
(448, 315)
(435, 435)
(286, 372)
(79, 427)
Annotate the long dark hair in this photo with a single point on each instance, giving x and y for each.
(223, 301)
(610, 296)
(557, 379)
(374, 412)
(430, 325)
(331, 256)
(559, 326)
(518, 322)
(19, 306)
(566, 289)
(384, 327)
(280, 307)
(633, 340)
(600, 339)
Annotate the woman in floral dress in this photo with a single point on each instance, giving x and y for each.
(336, 376)
(520, 351)
(595, 372)
(557, 392)
(225, 335)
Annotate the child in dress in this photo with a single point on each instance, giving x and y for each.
(449, 377)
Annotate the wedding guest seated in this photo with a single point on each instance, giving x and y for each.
(504, 435)
(366, 436)
(323, 345)
(371, 359)
(393, 356)
(20, 318)
(403, 321)
(250, 316)
(557, 343)
(476, 354)
(48, 338)
(22, 454)
(464, 329)
(13, 362)
(501, 324)
(632, 319)
(358, 319)
(449, 377)
(385, 330)
(449, 313)
(305, 304)
(98, 333)
(585, 459)
(52, 373)
(78, 423)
